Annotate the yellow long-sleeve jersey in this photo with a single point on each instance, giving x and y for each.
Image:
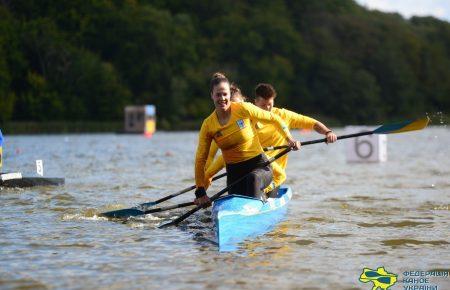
(269, 137)
(213, 165)
(211, 155)
(236, 139)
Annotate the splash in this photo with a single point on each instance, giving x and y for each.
(438, 118)
(79, 216)
(87, 214)
(147, 217)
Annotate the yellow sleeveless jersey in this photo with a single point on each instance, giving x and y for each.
(237, 140)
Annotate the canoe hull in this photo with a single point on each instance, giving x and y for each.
(237, 218)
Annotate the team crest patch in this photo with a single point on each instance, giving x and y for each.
(240, 124)
(218, 134)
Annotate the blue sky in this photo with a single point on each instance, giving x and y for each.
(437, 8)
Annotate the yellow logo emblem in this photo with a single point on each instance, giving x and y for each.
(380, 278)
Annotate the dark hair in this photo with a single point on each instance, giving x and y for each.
(265, 91)
(234, 89)
(216, 79)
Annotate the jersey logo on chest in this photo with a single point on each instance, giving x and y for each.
(240, 124)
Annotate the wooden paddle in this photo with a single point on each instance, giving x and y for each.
(385, 129)
(144, 208)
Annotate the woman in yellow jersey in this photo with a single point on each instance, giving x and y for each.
(213, 164)
(265, 96)
(230, 127)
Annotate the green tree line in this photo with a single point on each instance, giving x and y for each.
(86, 59)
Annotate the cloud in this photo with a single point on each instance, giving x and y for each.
(437, 8)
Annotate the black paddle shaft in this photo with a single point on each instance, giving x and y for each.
(129, 212)
(168, 207)
(217, 195)
(143, 207)
(180, 192)
(287, 149)
(323, 140)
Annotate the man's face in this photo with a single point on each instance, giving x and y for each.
(265, 104)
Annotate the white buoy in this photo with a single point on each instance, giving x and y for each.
(40, 167)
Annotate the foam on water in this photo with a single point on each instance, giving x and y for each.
(67, 217)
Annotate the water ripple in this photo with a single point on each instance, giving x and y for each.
(410, 242)
(394, 224)
(344, 216)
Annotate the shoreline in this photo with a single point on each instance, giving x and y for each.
(94, 127)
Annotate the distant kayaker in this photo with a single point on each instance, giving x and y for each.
(265, 95)
(230, 127)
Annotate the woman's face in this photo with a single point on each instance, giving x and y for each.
(221, 96)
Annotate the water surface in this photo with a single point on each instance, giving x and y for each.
(343, 217)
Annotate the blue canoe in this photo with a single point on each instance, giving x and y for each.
(237, 218)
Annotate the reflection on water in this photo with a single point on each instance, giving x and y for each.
(343, 217)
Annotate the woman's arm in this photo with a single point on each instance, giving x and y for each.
(212, 170)
(256, 113)
(212, 153)
(279, 176)
(204, 143)
(322, 129)
(296, 121)
(213, 166)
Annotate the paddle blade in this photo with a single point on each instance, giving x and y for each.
(414, 125)
(122, 213)
(149, 204)
(166, 225)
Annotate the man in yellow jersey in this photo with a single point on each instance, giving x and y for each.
(265, 95)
